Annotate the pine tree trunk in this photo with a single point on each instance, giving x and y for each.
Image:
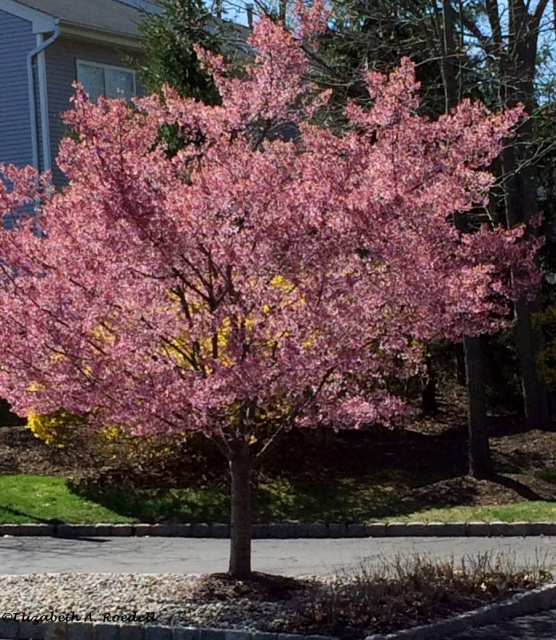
(535, 390)
(521, 206)
(517, 74)
(460, 364)
(240, 543)
(480, 463)
(429, 404)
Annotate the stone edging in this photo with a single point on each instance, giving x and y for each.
(280, 530)
(533, 601)
(105, 631)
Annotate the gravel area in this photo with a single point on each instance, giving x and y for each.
(170, 599)
(341, 606)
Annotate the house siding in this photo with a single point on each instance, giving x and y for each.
(16, 40)
(61, 65)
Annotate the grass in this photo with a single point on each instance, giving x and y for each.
(533, 511)
(28, 498)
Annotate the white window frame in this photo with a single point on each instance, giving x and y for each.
(105, 68)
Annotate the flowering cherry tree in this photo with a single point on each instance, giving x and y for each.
(247, 280)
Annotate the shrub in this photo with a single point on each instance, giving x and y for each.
(54, 428)
(111, 455)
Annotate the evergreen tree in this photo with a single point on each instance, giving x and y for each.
(169, 38)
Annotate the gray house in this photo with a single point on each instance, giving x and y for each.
(45, 45)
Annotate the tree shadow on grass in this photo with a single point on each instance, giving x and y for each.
(363, 477)
(465, 491)
(342, 500)
(460, 491)
(157, 505)
(27, 517)
(521, 489)
(277, 501)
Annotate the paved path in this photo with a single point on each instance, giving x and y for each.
(541, 626)
(287, 557)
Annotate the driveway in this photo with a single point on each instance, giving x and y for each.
(21, 555)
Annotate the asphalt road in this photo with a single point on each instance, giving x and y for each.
(22, 555)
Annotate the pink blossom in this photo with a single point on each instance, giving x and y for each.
(246, 278)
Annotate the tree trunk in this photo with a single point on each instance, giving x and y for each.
(480, 463)
(536, 398)
(460, 364)
(521, 206)
(240, 543)
(517, 67)
(449, 56)
(429, 404)
(479, 449)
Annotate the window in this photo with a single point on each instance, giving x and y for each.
(104, 80)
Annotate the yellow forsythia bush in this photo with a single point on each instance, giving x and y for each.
(53, 428)
(59, 428)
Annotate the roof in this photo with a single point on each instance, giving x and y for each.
(111, 16)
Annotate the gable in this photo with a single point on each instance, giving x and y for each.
(41, 22)
(110, 16)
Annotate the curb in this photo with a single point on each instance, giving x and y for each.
(539, 599)
(281, 530)
(534, 601)
(17, 630)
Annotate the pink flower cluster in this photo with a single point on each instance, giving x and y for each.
(245, 278)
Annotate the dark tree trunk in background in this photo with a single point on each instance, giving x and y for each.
(460, 364)
(521, 206)
(240, 543)
(428, 394)
(536, 397)
(480, 463)
(517, 66)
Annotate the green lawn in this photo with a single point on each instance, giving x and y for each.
(44, 499)
(37, 498)
(518, 512)
(26, 498)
